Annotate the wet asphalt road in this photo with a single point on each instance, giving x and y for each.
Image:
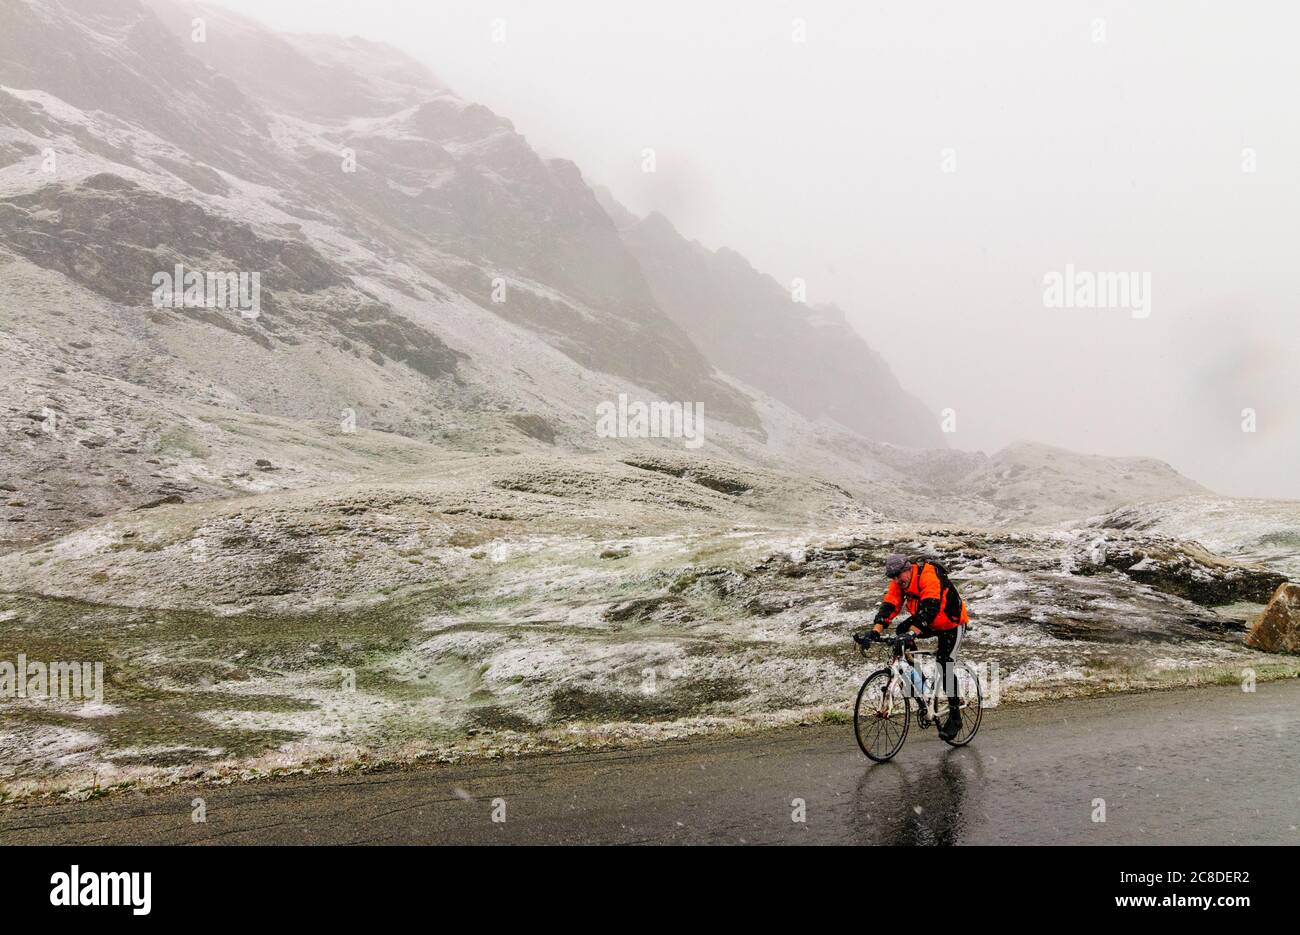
(1199, 766)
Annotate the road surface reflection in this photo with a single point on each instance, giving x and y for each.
(927, 798)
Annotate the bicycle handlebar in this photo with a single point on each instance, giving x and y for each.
(894, 642)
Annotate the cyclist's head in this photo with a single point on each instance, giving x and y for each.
(896, 564)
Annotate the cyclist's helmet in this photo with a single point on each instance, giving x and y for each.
(895, 564)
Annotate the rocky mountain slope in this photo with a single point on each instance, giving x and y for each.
(453, 184)
(447, 184)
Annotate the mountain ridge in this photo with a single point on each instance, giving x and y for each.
(379, 290)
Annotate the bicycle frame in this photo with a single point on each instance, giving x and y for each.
(901, 665)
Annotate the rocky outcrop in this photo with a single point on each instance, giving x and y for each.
(112, 236)
(1278, 628)
(1250, 531)
(1183, 569)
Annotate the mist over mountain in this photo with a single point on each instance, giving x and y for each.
(810, 358)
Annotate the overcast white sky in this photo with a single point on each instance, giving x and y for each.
(823, 160)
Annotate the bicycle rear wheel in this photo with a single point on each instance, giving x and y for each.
(881, 716)
(972, 705)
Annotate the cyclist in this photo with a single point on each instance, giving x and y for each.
(936, 610)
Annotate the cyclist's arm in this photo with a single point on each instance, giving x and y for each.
(889, 606)
(926, 611)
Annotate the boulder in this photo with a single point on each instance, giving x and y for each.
(1278, 628)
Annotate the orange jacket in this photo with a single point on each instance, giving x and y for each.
(924, 586)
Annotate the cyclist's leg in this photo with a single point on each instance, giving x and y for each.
(946, 656)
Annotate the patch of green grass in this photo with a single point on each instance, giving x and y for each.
(683, 698)
(180, 441)
(495, 717)
(166, 671)
(1105, 664)
(169, 722)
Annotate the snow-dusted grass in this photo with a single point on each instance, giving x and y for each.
(554, 647)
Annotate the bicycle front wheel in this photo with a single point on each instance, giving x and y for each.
(881, 716)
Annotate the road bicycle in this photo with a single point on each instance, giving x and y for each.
(882, 716)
